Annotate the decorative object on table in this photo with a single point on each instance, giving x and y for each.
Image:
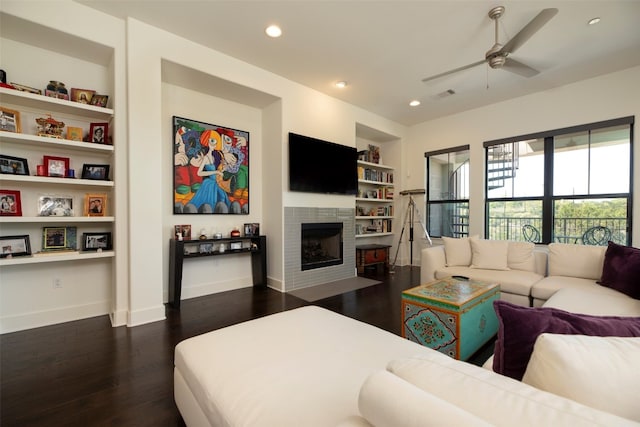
(99, 133)
(95, 171)
(234, 246)
(217, 236)
(95, 204)
(184, 230)
(10, 203)
(235, 232)
(13, 165)
(3, 76)
(203, 234)
(59, 239)
(24, 88)
(83, 96)
(96, 241)
(222, 154)
(74, 133)
(56, 166)
(49, 127)
(99, 100)
(252, 229)
(56, 89)
(55, 205)
(11, 246)
(10, 120)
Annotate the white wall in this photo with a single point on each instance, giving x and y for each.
(602, 98)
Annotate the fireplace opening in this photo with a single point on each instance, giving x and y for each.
(321, 245)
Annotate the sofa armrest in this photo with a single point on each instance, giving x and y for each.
(432, 259)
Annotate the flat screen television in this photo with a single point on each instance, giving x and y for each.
(317, 166)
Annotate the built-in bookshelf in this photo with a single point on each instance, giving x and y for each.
(374, 203)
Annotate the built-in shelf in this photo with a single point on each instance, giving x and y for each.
(373, 235)
(365, 181)
(35, 101)
(371, 199)
(7, 178)
(40, 258)
(56, 219)
(374, 217)
(35, 140)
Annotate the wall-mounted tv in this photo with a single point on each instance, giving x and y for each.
(317, 166)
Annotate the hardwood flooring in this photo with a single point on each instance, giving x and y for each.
(86, 373)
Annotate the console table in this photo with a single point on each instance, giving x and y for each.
(186, 249)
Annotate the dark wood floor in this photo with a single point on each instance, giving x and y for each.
(86, 373)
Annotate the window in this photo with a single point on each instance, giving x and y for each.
(448, 192)
(569, 185)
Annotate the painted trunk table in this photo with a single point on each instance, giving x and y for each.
(453, 316)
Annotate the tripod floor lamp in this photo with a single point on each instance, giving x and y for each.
(409, 217)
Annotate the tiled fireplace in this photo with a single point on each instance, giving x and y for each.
(328, 251)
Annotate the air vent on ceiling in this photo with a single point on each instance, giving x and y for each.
(446, 93)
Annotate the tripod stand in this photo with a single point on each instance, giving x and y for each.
(409, 216)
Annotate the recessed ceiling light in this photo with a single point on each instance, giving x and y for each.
(341, 84)
(273, 31)
(414, 103)
(594, 21)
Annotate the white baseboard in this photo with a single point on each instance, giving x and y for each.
(148, 315)
(51, 317)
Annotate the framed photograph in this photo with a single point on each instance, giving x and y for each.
(82, 96)
(13, 165)
(182, 230)
(96, 241)
(252, 229)
(99, 100)
(74, 133)
(54, 205)
(99, 133)
(10, 120)
(211, 168)
(93, 171)
(59, 238)
(95, 204)
(56, 166)
(24, 88)
(10, 203)
(11, 246)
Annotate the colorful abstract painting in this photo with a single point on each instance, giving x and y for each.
(211, 168)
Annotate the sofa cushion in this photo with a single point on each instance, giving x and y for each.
(519, 327)
(498, 400)
(489, 254)
(621, 270)
(572, 366)
(387, 400)
(549, 285)
(520, 256)
(595, 300)
(576, 260)
(511, 281)
(457, 251)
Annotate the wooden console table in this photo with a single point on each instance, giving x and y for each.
(185, 249)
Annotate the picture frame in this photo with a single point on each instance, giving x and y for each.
(99, 100)
(56, 166)
(99, 133)
(252, 229)
(204, 147)
(10, 120)
(95, 171)
(59, 238)
(13, 165)
(55, 205)
(11, 246)
(10, 203)
(83, 96)
(24, 88)
(96, 241)
(95, 204)
(183, 231)
(74, 133)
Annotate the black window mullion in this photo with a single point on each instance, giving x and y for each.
(547, 197)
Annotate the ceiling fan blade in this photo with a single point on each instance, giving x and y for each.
(519, 68)
(466, 67)
(529, 30)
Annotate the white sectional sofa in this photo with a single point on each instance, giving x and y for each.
(313, 367)
(527, 275)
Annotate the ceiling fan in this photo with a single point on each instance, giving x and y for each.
(498, 55)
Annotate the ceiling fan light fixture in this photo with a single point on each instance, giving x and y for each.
(497, 61)
(593, 21)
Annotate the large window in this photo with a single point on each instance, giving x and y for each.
(569, 185)
(448, 192)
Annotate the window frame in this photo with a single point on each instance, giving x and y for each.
(548, 197)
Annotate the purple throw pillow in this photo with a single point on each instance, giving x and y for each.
(519, 327)
(621, 270)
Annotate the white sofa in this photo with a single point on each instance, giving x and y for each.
(527, 275)
(313, 367)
